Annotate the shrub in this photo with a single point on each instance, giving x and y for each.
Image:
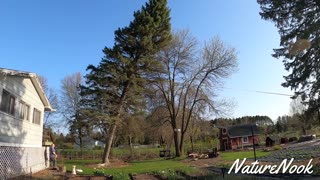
(277, 147)
(306, 138)
(284, 140)
(98, 173)
(291, 139)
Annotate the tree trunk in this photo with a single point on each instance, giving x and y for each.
(161, 141)
(181, 143)
(176, 143)
(130, 145)
(107, 148)
(81, 147)
(318, 115)
(191, 140)
(304, 132)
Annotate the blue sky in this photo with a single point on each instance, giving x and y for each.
(57, 38)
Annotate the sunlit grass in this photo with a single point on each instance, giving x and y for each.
(149, 166)
(230, 156)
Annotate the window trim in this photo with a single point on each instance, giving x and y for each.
(11, 107)
(247, 139)
(224, 131)
(24, 104)
(33, 116)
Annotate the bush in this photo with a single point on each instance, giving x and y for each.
(284, 140)
(277, 147)
(291, 139)
(306, 138)
(98, 173)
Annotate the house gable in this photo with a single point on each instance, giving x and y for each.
(14, 130)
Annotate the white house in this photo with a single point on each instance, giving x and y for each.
(22, 106)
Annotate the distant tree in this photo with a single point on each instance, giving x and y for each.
(159, 129)
(187, 83)
(259, 120)
(131, 129)
(50, 119)
(71, 108)
(279, 125)
(299, 28)
(297, 112)
(117, 83)
(60, 140)
(297, 107)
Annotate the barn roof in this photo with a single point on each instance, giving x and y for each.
(35, 81)
(243, 130)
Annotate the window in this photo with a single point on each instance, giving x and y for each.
(224, 131)
(24, 110)
(36, 116)
(7, 102)
(245, 139)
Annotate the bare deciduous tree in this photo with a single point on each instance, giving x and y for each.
(70, 107)
(50, 119)
(189, 78)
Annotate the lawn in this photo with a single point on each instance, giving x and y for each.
(231, 156)
(158, 166)
(116, 153)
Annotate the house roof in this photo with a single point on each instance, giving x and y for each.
(243, 130)
(35, 81)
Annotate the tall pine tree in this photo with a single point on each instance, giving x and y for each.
(117, 83)
(299, 27)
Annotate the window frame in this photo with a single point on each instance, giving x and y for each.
(11, 110)
(36, 113)
(24, 108)
(224, 131)
(247, 139)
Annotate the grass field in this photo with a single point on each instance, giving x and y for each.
(156, 166)
(230, 156)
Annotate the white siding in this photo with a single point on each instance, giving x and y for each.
(13, 129)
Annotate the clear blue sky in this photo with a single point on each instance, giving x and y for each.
(57, 38)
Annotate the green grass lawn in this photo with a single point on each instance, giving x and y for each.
(158, 166)
(230, 156)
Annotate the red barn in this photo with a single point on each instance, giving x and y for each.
(238, 136)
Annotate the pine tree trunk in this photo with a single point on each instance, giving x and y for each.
(107, 148)
(109, 142)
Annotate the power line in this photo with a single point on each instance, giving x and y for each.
(273, 93)
(261, 92)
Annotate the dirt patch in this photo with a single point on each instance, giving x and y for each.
(203, 163)
(145, 177)
(43, 175)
